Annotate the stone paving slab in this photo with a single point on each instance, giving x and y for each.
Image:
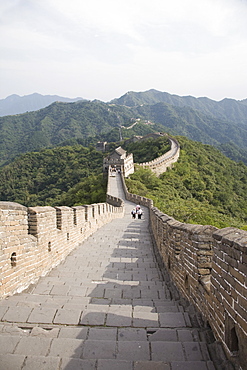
(132, 334)
(104, 307)
(42, 315)
(167, 351)
(67, 316)
(125, 319)
(189, 365)
(34, 346)
(102, 334)
(114, 365)
(12, 362)
(77, 364)
(19, 314)
(94, 349)
(92, 318)
(44, 363)
(8, 344)
(66, 347)
(165, 335)
(148, 365)
(133, 350)
(172, 320)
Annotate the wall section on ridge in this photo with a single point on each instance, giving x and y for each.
(160, 164)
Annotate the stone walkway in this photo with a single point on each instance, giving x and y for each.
(105, 307)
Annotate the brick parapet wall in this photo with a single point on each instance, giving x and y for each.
(209, 268)
(33, 240)
(229, 289)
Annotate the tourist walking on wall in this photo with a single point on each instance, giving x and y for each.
(139, 213)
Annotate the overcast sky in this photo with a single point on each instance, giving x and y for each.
(100, 49)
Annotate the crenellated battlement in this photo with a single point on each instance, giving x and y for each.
(34, 240)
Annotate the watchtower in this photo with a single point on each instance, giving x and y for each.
(119, 160)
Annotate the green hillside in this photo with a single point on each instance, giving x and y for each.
(204, 187)
(86, 122)
(55, 124)
(45, 177)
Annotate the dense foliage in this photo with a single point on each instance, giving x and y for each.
(45, 177)
(204, 187)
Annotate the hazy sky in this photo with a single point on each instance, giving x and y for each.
(100, 49)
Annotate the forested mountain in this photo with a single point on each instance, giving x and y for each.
(56, 123)
(225, 110)
(89, 121)
(15, 104)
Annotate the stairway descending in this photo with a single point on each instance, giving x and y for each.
(105, 307)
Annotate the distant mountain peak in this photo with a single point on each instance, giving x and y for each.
(15, 104)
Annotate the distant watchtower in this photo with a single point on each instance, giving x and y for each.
(119, 160)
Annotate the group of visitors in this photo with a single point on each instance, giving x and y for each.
(137, 211)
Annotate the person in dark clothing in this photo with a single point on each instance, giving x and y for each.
(133, 212)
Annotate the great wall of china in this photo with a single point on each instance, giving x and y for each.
(207, 265)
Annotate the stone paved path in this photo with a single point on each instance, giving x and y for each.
(105, 307)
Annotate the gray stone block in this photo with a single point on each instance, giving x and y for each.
(73, 332)
(145, 319)
(189, 365)
(123, 319)
(165, 335)
(77, 364)
(66, 347)
(167, 351)
(151, 365)
(192, 351)
(92, 318)
(132, 334)
(96, 349)
(3, 310)
(11, 362)
(33, 346)
(172, 320)
(8, 344)
(42, 363)
(42, 315)
(134, 350)
(67, 317)
(102, 334)
(17, 314)
(114, 365)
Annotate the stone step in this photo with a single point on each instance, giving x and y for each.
(16, 362)
(99, 315)
(102, 333)
(87, 347)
